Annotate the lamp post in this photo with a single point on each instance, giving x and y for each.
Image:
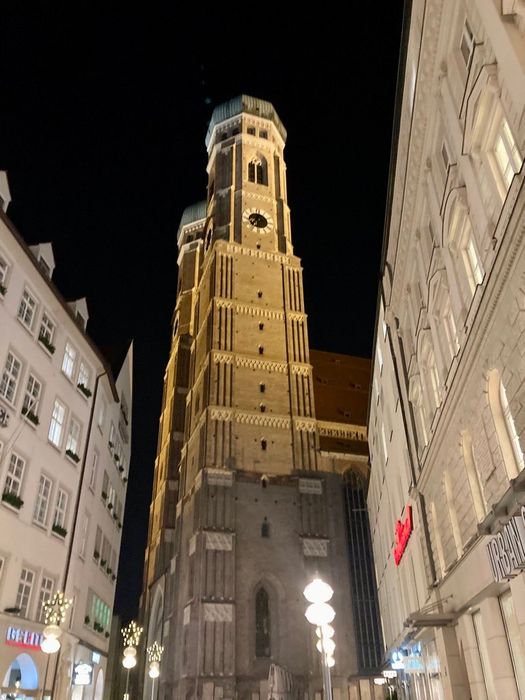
(131, 635)
(321, 614)
(55, 610)
(154, 653)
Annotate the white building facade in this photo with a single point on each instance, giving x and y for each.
(447, 414)
(65, 430)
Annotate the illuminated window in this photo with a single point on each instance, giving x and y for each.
(257, 171)
(57, 423)
(47, 329)
(473, 476)
(4, 268)
(68, 361)
(73, 437)
(93, 473)
(251, 130)
(507, 156)
(463, 247)
(84, 375)
(505, 427)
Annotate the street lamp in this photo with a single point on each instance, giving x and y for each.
(131, 635)
(154, 657)
(320, 613)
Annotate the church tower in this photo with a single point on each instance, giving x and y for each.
(245, 511)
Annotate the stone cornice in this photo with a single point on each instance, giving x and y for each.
(343, 431)
(411, 145)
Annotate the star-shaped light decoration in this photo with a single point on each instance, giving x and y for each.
(55, 608)
(131, 634)
(155, 652)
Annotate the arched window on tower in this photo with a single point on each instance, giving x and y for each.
(505, 427)
(262, 624)
(257, 171)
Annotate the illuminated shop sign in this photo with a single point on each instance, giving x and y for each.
(402, 535)
(27, 639)
(82, 674)
(506, 550)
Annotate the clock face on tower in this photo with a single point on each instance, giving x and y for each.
(258, 220)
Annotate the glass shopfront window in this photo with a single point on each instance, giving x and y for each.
(512, 631)
(484, 655)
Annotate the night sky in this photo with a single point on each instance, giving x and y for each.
(102, 130)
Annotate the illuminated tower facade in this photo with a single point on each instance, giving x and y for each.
(246, 507)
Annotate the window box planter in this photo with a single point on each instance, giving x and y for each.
(98, 627)
(59, 530)
(121, 468)
(12, 499)
(104, 496)
(125, 479)
(83, 388)
(73, 456)
(109, 570)
(87, 620)
(96, 554)
(103, 562)
(3, 290)
(119, 525)
(115, 516)
(45, 342)
(113, 577)
(111, 445)
(27, 413)
(110, 506)
(106, 635)
(115, 457)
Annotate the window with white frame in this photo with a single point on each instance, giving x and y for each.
(57, 423)
(101, 414)
(47, 329)
(42, 500)
(105, 486)
(84, 528)
(466, 44)
(68, 361)
(84, 375)
(93, 473)
(430, 372)
(10, 377)
(420, 410)
(100, 613)
(112, 435)
(506, 154)
(4, 269)
(463, 246)
(47, 587)
(98, 543)
(73, 437)
(32, 396)
(27, 309)
(25, 588)
(59, 519)
(15, 474)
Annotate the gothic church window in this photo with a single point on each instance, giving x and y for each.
(257, 171)
(262, 624)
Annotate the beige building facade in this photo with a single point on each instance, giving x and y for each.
(447, 418)
(248, 502)
(65, 430)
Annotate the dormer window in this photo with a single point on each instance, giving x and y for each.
(44, 267)
(81, 321)
(263, 134)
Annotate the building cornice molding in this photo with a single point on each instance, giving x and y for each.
(343, 431)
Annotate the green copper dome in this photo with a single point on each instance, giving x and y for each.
(249, 105)
(193, 213)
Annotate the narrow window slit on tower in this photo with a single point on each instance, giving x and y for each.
(263, 444)
(259, 294)
(261, 350)
(262, 407)
(265, 527)
(262, 387)
(261, 326)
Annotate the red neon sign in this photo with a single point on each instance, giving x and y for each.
(402, 535)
